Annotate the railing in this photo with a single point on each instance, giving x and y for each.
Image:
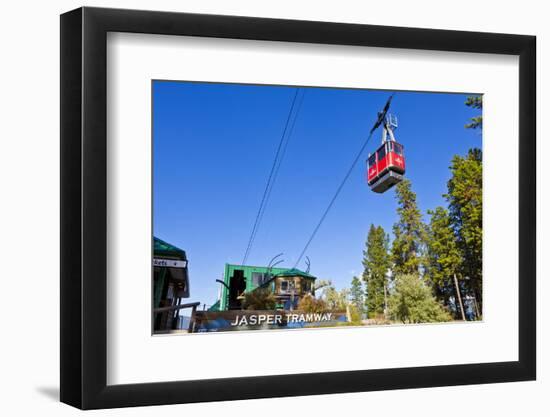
(192, 306)
(294, 291)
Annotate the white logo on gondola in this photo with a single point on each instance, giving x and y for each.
(398, 160)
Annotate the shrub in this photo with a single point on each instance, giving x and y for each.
(310, 304)
(355, 315)
(259, 299)
(412, 302)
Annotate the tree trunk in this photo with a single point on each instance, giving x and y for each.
(478, 315)
(385, 302)
(459, 298)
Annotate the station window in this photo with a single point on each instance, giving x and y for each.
(257, 278)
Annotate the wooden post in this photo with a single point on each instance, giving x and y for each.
(459, 298)
(192, 319)
(348, 313)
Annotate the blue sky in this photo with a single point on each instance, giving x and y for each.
(214, 145)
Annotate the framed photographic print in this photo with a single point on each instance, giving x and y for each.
(247, 203)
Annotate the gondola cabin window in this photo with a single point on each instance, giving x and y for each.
(381, 153)
(372, 171)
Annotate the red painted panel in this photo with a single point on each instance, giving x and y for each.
(383, 164)
(397, 161)
(372, 172)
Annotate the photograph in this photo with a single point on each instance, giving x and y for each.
(279, 207)
(259, 208)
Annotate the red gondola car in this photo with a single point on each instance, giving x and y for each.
(386, 166)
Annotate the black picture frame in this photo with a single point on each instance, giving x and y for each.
(84, 207)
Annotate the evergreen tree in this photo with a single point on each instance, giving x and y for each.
(475, 102)
(409, 232)
(444, 258)
(466, 212)
(357, 295)
(376, 262)
(412, 302)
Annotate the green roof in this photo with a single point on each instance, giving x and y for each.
(294, 272)
(162, 248)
